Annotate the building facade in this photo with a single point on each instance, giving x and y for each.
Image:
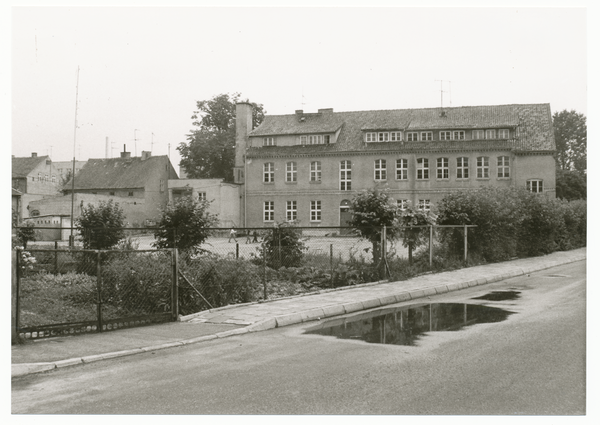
(307, 167)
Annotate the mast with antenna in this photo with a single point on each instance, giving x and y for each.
(152, 143)
(442, 94)
(71, 240)
(135, 141)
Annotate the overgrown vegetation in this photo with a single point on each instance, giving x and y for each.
(101, 226)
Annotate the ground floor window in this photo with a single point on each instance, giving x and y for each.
(402, 204)
(535, 185)
(424, 205)
(269, 211)
(291, 212)
(315, 210)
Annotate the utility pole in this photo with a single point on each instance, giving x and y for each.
(135, 141)
(442, 92)
(71, 241)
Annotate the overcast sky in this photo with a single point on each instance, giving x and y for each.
(142, 69)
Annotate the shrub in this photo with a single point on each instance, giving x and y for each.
(101, 226)
(26, 233)
(410, 221)
(282, 247)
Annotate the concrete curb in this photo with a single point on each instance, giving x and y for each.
(22, 369)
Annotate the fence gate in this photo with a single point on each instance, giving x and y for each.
(65, 292)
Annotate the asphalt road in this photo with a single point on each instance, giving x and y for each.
(532, 363)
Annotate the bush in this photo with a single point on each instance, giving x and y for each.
(101, 226)
(282, 247)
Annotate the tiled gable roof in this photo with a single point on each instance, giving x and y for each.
(533, 124)
(117, 173)
(21, 167)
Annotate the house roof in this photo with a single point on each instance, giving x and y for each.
(117, 173)
(22, 166)
(532, 124)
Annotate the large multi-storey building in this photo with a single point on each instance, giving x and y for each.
(307, 166)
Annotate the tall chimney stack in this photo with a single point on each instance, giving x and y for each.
(243, 126)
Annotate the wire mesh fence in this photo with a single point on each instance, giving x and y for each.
(135, 283)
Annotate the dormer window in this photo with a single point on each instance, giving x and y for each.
(268, 141)
(314, 139)
(371, 137)
(503, 133)
(412, 136)
(395, 136)
(383, 137)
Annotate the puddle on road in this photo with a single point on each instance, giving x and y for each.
(499, 296)
(404, 325)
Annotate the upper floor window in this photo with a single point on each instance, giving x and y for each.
(380, 170)
(442, 169)
(483, 167)
(503, 167)
(458, 135)
(422, 168)
(315, 171)
(383, 136)
(426, 136)
(535, 185)
(371, 137)
(490, 134)
(327, 139)
(402, 169)
(503, 133)
(316, 139)
(269, 211)
(291, 172)
(395, 136)
(462, 168)
(268, 141)
(130, 194)
(445, 135)
(268, 172)
(291, 211)
(478, 134)
(345, 175)
(412, 136)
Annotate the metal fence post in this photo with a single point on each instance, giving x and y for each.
(55, 257)
(237, 250)
(383, 250)
(465, 242)
(265, 273)
(17, 294)
(430, 246)
(175, 284)
(99, 289)
(331, 262)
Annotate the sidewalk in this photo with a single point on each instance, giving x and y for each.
(47, 354)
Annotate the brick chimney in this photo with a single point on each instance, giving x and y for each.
(146, 155)
(34, 154)
(125, 154)
(243, 126)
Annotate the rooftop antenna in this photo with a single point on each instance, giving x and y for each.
(135, 141)
(442, 95)
(152, 143)
(169, 151)
(50, 151)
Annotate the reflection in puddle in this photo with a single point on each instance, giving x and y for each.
(403, 326)
(499, 296)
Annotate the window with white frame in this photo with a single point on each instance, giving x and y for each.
(315, 210)
(202, 196)
(412, 136)
(402, 169)
(535, 185)
(383, 136)
(269, 211)
(268, 141)
(442, 169)
(326, 139)
(395, 136)
(316, 139)
(503, 133)
(268, 172)
(478, 134)
(402, 204)
(291, 172)
(445, 135)
(503, 167)
(458, 135)
(371, 137)
(291, 211)
(422, 168)
(483, 167)
(380, 170)
(426, 136)
(315, 171)
(424, 205)
(462, 168)
(490, 134)
(303, 140)
(345, 175)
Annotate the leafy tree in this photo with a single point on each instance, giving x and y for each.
(371, 210)
(26, 233)
(570, 135)
(282, 246)
(210, 151)
(101, 226)
(184, 224)
(413, 237)
(571, 185)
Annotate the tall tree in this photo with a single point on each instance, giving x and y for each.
(570, 135)
(210, 151)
